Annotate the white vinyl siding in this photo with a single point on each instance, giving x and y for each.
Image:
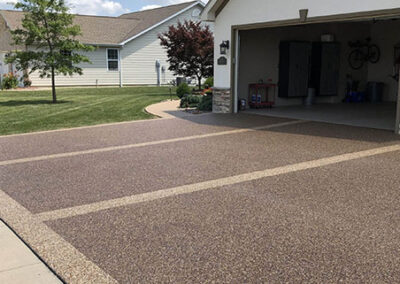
(139, 56)
(3, 66)
(94, 73)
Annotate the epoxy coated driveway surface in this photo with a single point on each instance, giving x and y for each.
(214, 198)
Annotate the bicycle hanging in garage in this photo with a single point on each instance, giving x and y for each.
(364, 51)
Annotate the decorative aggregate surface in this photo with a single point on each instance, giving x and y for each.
(332, 223)
(326, 225)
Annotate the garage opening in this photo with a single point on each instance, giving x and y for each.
(340, 72)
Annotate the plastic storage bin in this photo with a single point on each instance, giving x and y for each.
(375, 92)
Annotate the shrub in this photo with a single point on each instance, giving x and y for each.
(10, 81)
(27, 82)
(206, 103)
(209, 82)
(190, 101)
(183, 90)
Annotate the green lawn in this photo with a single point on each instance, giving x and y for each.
(30, 111)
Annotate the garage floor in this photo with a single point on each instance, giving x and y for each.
(378, 116)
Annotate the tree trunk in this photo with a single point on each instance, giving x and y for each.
(199, 79)
(53, 85)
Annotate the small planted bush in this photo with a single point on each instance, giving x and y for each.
(205, 103)
(10, 81)
(183, 90)
(190, 101)
(209, 82)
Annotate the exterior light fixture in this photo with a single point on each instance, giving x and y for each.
(224, 46)
(303, 15)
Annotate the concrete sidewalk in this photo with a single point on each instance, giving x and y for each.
(170, 109)
(18, 264)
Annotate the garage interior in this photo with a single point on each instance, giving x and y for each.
(339, 72)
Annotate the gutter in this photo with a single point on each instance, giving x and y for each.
(104, 44)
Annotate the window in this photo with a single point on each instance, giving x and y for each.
(113, 59)
(66, 52)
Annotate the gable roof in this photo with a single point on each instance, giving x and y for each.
(158, 14)
(112, 31)
(213, 8)
(150, 19)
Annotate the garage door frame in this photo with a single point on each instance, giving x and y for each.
(360, 16)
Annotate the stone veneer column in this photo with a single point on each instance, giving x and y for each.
(222, 100)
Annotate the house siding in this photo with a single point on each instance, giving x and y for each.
(139, 56)
(94, 73)
(5, 47)
(3, 66)
(4, 38)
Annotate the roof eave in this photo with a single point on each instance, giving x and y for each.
(212, 9)
(5, 20)
(105, 44)
(163, 21)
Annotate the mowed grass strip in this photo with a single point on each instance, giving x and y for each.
(30, 111)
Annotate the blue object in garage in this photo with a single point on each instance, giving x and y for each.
(355, 97)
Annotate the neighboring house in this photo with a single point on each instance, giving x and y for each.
(128, 47)
(283, 43)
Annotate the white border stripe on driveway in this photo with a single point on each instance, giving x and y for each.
(186, 189)
(144, 144)
(67, 261)
(84, 127)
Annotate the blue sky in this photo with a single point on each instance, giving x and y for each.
(107, 7)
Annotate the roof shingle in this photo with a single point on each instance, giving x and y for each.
(99, 30)
(149, 18)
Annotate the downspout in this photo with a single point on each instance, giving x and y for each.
(236, 70)
(1, 68)
(121, 84)
(158, 68)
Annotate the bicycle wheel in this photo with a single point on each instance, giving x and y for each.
(356, 59)
(374, 53)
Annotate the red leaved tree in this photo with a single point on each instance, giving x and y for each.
(190, 49)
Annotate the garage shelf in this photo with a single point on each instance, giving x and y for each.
(267, 97)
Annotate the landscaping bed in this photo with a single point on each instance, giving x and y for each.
(200, 100)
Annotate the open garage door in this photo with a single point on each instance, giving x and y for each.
(344, 72)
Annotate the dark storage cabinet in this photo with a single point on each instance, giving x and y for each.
(294, 69)
(325, 68)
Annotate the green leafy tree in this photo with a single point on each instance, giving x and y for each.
(49, 35)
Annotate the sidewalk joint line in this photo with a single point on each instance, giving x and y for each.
(23, 266)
